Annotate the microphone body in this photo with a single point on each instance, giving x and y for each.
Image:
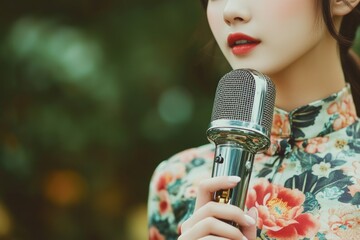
(240, 128)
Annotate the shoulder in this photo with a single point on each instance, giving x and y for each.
(182, 165)
(203, 152)
(173, 188)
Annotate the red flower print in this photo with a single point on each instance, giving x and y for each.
(164, 202)
(163, 180)
(154, 234)
(281, 125)
(171, 174)
(281, 212)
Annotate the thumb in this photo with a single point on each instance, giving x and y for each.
(250, 232)
(253, 212)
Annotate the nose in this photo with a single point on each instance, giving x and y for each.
(236, 11)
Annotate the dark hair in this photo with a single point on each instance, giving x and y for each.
(345, 37)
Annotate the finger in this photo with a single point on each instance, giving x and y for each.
(211, 185)
(207, 238)
(212, 226)
(221, 211)
(250, 231)
(213, 238)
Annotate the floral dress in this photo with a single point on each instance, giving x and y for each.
(306, 186)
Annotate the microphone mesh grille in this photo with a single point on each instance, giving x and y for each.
(234, 98)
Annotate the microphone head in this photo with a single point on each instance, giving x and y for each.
(244, 99)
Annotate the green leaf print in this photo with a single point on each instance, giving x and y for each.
(183, 209)
(336, 179)
(356, 199)
(347, 198)
(304, 182)
(307, 159)
(353, 131)
(304, 117)
(310, 203)
(328, 126)
(309, 183)
(264, 172)
(164, 226)
(330, 98)
(269, 168)
(337, 163)
(173, 188)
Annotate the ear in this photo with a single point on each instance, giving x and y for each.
(343, 7)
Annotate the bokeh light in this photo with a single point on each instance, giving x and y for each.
(93, 96)
(176, 106)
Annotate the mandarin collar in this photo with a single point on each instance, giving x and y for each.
(315, 119)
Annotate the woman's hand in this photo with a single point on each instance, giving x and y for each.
(205, 223)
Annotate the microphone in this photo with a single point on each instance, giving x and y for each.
(240, 127)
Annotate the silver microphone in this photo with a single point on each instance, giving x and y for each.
(240, 127)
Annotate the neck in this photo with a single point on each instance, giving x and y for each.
(314, 76)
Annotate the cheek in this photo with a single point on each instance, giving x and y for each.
(290, 24)
(215, 20)
(286, 12)
(287, 9)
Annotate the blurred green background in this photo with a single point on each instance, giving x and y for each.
(94, 94)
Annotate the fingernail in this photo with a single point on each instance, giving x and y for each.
(254, 213)
(234, 179)
(245, 238)
(249, 220)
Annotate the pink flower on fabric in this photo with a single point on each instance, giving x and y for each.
(274, 145)
(190, 192)
(281, 212)
(346, 110)
(353, 170)
(356, 166)
(315, 145)
(344, 223)
(281, 125)
(154, 234)
(353, 189)
(187, 155)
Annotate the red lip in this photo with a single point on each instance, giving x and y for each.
(241, 44)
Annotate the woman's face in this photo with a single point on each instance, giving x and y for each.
(266, 35)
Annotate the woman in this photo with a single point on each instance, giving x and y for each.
(307, 185)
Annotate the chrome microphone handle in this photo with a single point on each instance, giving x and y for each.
(240, 127)
(232, 160)
(236, 146)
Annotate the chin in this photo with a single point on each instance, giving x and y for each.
(263, 67)
(257, 67)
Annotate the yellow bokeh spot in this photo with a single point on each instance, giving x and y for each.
(64, 187)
